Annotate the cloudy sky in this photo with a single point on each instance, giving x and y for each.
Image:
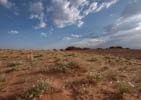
(47, 24)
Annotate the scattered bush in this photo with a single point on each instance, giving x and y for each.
(83, 82)
(38, 89)
(122, 88)
(93, 59)
(99, 76)
(96, 76)
(38, 56)
(111, 75)
(2, 77)
(81, 88)
(62, 67)
(15, 66)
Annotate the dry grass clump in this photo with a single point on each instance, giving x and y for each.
(14, 66)
(37, 90)
(38, 57)
(81, 82)
(2, 77)
(62, 67)
(81, 88)
(111, 75)
(96, 76)
(123, 87)
(94, 58)
(116, 59)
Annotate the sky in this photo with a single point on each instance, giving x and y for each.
(56, 24)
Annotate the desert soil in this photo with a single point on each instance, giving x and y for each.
(70, 75)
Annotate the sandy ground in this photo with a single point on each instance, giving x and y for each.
(111, 74)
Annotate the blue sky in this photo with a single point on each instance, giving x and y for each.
(48, 24)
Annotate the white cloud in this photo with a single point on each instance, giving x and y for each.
(37, 10)
(89, 42)
(123, 24)
(44, 34)
(13, 32)
(67, 38)
(106, 4)
(72, 37)
(126, 31)
(6, 3)
(129, 38)
(75, 36)
(93, 6)
(62, 13)
(132, 8)
(130, 19)
(72, 12)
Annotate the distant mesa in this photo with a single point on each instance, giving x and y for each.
(78, 48)
(117, 47)
(75, 48)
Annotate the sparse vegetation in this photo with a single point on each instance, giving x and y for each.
(123, 87)
(36, 91)
(63, 67)
(14, 66)
(93, 59)
(99, 76)
(111, 75)
(38, 57)
(81, 88)
(2, 77)
(70, 75)
(96, 76)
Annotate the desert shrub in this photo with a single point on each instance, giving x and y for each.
(15, 66)
(71, 55)
(38, 57)
(111, 75)
(13, 69)
(47, 69)
(123, 68)
(81, 88)
(99, 76)
(4, 56)
(96, 76)
(92, 59)
(38, 89)
(2, 77)
(62, 67)
(96, 58)
(82, 82)
(122, 88)
(58, 58)
(115, 59)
